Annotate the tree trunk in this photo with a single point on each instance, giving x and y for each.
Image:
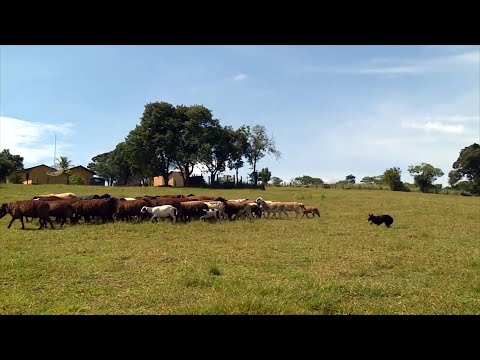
(236, 177)
(186, 172)
(165, 178)
(255, 178)
(184, 176)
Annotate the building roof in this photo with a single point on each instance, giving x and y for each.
(34, 167)
(52, 169)
(83, 167)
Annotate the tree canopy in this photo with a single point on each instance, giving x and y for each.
(372, 179)
(424, 175)
(307, 180)
(392, 177)
(259, 145)
(468, 166)
(350, 179)
(64, 163)
(276, 181)
(9, 163)
(265, 175)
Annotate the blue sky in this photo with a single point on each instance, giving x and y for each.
(332, 110)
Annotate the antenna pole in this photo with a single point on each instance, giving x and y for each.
(55, 150)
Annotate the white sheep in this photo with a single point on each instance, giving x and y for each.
(210, 214)
(162, 211)
(217, 205)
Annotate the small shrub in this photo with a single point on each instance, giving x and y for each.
(16, 179)
(76, 180)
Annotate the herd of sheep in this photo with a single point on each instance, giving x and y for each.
(176, 207)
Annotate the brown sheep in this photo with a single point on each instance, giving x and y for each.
(30, 208)
(235, 208)
(310, 210)
(192, 209)
(126, 209)
(61, 210)
(104, 208)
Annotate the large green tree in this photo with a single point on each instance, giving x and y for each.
(259, 146)
(9, 163)
(217, 147)
(454, 177)
(307, 180)
(392, 177)
(350, 179)
(371, 180)
(425, 175)
(121, 164)
(276, 181)
(103, 166)
(195, 123)
(468, 166)
(265, 175)
(152, 145)
(240, 144)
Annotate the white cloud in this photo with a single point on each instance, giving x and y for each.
(392, 70)
(467, 58)
(239, 77)
(461, 118)
(394, 67)
(436, 126)
(450, 48)
(330, 179)
(34, 141)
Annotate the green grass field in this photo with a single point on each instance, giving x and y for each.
(427, 263)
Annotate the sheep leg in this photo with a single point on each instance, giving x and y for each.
(11, 221)
(153, 217)
(50, 221)
(42, 223)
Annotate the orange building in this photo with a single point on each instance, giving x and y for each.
(43, 174)
(175, 179)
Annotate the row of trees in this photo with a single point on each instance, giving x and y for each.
(181, 137)
(424, 175)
